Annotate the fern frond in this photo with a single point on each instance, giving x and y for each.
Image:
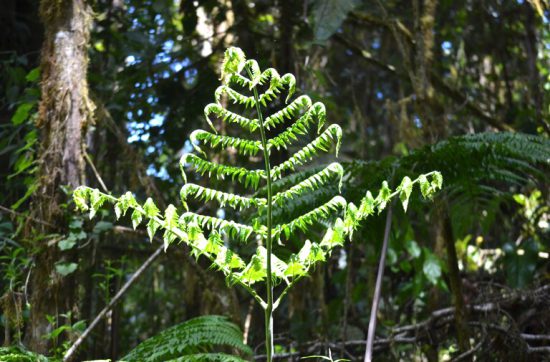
(234, 96)
(279, 266)
(243, 146)
(276, 82)
(302, 103)
(229, 117)
(312, 183)
(256, 269)
(220, 171)
(339, 217)
(18, 354)
(332, 135)
(248, 101)
(300, 127)
(306, 220)
(227, 258)
(180, 342)
(223, 198)
(208, 357)
(231, 228)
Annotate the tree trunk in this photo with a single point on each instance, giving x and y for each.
(64, 112)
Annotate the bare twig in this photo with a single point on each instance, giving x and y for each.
(469, 353)
(15, 213)
(97, 176)
(378, 288)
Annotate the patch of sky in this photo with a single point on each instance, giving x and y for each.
(417, 122)
(162, 57)
(162, 173)
(447, 47)
(375, 44)
(379, 95)
(159, 20)
(153, 148)
(220, 214)
(131, 60)
(187, 147)
(137, 130)
(157, 120)
(168, 45)
(176, 66)
(342, 259)
(190, 75)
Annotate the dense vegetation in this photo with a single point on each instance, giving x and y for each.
(269, 226)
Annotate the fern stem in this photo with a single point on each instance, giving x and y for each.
(269, 241)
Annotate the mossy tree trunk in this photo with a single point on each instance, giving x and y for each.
(65, 110)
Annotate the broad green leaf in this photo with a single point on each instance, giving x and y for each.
(170, 217)
(67, 243)
(137, 217)
(383, 196)
(328, 16)
(431, 268)
(168, 238)
(437, 181)
(295, 268)
(21, 113)
(254, 271)
(424, 186)
(65, 268)
(367, 205)
(151, 210)
(405, 190)
(33, 75)
(152, 227)
(413, 249)
(102, 226)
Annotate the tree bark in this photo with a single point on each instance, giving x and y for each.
(64, 112)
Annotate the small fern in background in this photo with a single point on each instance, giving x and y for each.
(213, 237)
(194, 340)
(18, 354)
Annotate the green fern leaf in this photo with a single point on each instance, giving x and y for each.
(192, 339)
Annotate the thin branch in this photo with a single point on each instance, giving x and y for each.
(15, 213)
(97, 176)
(378, 287)
(70, 353)
(469, 353)
(538, 349)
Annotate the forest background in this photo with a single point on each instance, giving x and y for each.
(106, 92)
